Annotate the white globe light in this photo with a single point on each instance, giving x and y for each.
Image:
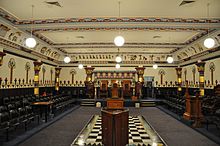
(170, 59)
(118, 59)
(30, 42)
(119, 41)
(67, 59)
(209, 43)
(117, 66)
(155, 66)
(80, 66)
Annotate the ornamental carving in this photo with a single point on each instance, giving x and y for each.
(72, 71)
(11, 63)
(27, 66)
(161, 72)
(212, 66)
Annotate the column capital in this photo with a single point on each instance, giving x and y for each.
(200, 66)
(37, 65)
(57, 71)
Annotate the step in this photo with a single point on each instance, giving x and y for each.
(87, 103)
(148, 103)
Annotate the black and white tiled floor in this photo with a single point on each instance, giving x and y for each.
(137, 133)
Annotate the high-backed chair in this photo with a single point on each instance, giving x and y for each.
(127, 88)
(103, 89)
(115, 90)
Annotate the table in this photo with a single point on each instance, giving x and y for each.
(46, 106)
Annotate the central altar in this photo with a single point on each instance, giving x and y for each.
(115, 127)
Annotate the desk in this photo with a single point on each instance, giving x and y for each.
(46, 105)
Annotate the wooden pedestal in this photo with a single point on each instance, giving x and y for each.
(115, 103)
(193, 108)
(114, 127)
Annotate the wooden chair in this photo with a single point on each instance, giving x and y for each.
(103, 89)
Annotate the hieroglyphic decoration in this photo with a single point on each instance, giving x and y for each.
(72, 72)
(27, 68)
(212, 69)
(194, 74)
(43, 71)
(161, 73)
(14, 36)
(3, 30)
(185, 74)
(11, 65)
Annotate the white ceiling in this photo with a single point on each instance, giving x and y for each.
(94, 37)
(109, 8)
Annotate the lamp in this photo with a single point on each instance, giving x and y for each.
(117, 66)
(209, 42)
(80, 66)
(170, 59)
(31, 42)
(118, 58)
(119, 40)
(67, 59)
(155, 66)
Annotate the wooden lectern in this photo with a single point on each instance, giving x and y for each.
(115, 127)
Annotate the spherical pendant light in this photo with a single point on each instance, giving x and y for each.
(67, 59)
(119, 41)
(80, 66)
(170, 59)
(155, 66)
(30, 42)
(118, 59)
(117, 66)
(209, 43)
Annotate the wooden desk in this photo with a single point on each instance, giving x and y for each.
(46, 106)
(115, 103)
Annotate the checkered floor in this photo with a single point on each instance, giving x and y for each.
(137, 133)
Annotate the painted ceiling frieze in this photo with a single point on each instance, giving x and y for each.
(197, 49)
(16, 39)
(125, 57)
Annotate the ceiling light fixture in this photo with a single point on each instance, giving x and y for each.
(170, 59)
(80, 66)
(155, 66)
(209, 42)
(31, 42)
(67, 59)
(119, 40)
(118, 58)
(117, 66)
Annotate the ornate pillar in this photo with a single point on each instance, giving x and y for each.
(139, 84)
(2, 54)
(140, 73)
(37, 67)
(201, 70)
(88, 83)
(57, 78)
(89, 72)
(179, 79)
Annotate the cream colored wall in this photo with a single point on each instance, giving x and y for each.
(149, 71)
(19, 71)
(216, 75)
(79, 76)
(170, 74)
